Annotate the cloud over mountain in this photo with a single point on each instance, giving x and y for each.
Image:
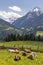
(10, 15)
(15, 8)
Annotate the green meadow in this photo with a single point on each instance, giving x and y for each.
(39, 33)
(7, 58)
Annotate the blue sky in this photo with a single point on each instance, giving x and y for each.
(23, 5)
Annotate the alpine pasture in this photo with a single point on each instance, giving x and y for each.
(7, 58)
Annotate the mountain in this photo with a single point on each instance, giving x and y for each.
(7, 28)
(31, 21)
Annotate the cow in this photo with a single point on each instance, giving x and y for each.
(11, 50)
(17, 58)
(17, 51)
(32, 55)
(27, 50)
(24, 54)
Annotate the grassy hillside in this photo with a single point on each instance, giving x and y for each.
(7, 28)
(39, 33)
(7, 58)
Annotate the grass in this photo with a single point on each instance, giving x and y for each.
(29, 44)
(10, 28)
(39, 33)
(7, 58)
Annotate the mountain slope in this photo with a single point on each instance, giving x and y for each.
(7, 28)
(30, 21)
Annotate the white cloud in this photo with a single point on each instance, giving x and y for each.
(15, 8)
(9, 16)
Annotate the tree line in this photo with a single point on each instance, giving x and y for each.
(25, 37)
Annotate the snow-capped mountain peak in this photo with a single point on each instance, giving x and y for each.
(36, 9)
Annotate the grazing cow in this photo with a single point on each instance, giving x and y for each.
(27, 50)
(24, 54)
(32, 55)
(11, 50)
(17, 58)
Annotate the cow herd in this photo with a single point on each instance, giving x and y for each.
(26, 52)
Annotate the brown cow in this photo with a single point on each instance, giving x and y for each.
(24, 54)
(32, 55)
(27, 50)
(17, 58)
(16, 50)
